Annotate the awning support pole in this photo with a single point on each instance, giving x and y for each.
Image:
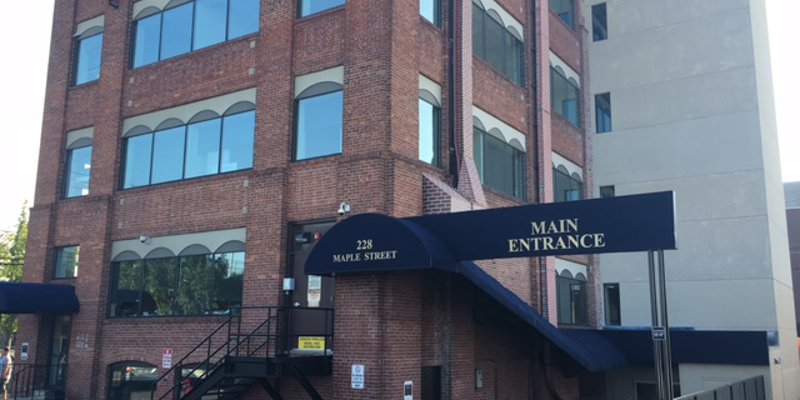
(662, 345)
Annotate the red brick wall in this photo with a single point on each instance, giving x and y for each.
(383, 321)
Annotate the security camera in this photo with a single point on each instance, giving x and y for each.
(344, 208)
(144, 239)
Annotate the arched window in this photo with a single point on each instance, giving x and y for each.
(131, 380)
(319, 104)
(79, 162)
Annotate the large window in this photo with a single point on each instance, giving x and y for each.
(572, 299)
(565, 97)
(88, 56)
(566, 186)
(190, 26)
(132, 380)
(428, 132)
(66, 262)
(308, 7)
(565, 9)
(318, 126)
(202, 147)
(78, 169)
(191, 284)
(501, 166)
(496, 45)
(599, 22)
(429, 9)
(602, 112)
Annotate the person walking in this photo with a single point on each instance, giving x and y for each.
(6, 367)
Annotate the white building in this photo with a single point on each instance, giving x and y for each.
(691, 110)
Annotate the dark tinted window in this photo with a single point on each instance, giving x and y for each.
(203, 284)
(566, 187)
(132, 380)
(565, 9)
(87, 65)
(572, 301)
(79, 165)
(66, 262)
(607, 191)
(612, 304)
(565, 97)
(493, 43)
(501, 166)
(602, 112)
(319, 126)
(599, 23)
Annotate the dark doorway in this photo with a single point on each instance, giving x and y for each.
(432, 383)
(311, 320)
(59, 350)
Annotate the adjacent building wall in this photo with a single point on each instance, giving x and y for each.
(692, 112)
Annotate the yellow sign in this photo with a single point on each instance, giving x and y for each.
(311, 343)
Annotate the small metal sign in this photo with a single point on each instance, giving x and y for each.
(311, 343)
(166, 359)
(357, 376)
(659, 333)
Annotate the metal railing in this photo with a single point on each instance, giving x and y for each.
(33, 381)
(748, 389)
(267, 335)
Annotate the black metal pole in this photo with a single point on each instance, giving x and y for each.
(657, 342)
(667, 345)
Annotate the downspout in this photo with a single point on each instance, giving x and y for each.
(451, 92)
(537, 141)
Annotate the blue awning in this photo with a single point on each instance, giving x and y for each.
(376, 242)
(688, 345)
(29, 298)
(595, 353)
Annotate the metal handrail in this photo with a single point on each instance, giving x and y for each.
(28, 378)
(237, 343)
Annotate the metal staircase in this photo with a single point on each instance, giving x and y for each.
(253, 346)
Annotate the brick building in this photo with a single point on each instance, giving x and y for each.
(194, 151)
(187, 145)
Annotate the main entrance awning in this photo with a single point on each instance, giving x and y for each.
(368, 243)
(29, 298)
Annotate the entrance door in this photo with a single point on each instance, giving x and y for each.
(59, 350)
(311, 320)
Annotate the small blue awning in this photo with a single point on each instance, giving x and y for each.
(29, 298)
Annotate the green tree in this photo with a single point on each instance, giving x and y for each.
(12, 257)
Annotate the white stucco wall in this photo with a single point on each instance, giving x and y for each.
(692, 111)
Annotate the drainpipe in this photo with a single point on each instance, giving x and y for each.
(451, 93)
